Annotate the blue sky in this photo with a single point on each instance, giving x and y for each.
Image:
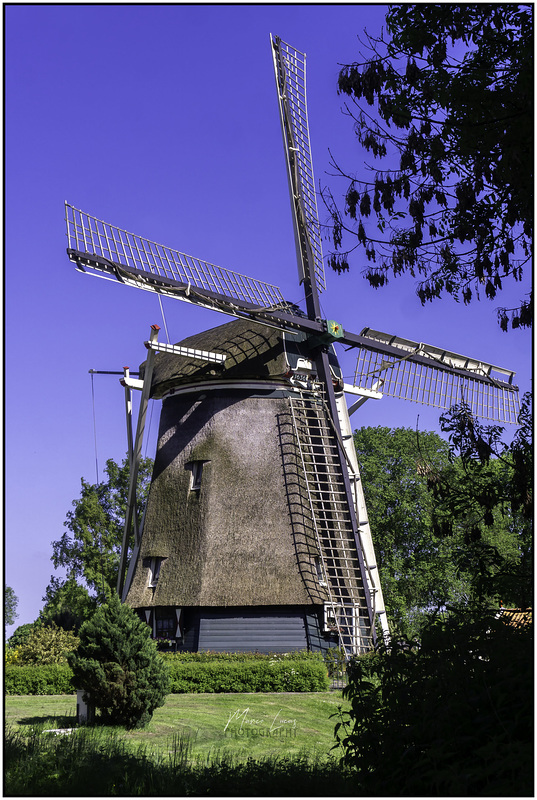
(163, 120)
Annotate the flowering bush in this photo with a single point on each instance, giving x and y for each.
(11, 655)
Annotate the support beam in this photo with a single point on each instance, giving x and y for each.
(135, 463)
(364, 530)
(130, 448)
(130, 573)
(364, 394)
(132, 383)
(126, 382)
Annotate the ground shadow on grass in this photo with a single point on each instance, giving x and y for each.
(50, 721)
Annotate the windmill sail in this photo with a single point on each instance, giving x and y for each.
(290, 72)
(435, 377)
(97, 245)
(333, 509)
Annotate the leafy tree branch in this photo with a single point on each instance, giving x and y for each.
(451, 128)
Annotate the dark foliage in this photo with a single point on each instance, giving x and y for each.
(453, 717)
(118, 666)
(21, 633)
(67, 604)
(452, 132)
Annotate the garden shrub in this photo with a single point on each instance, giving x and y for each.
(38, 679)
(11, 655)
(46, 644)
(118, 666)
(301, 671)
(263, 675)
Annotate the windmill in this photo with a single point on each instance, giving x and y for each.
(255, 534)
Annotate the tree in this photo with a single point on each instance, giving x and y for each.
(452, 131)
(67, 604)
(118, 666)
(90, 548)
(21, 633)
(11, 602)
(485, 498)
(451, 522)
(416, 567)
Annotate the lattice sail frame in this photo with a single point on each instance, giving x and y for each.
(438, 383)
(290, 71)
(87, 234)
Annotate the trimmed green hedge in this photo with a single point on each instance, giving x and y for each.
(248, 676)
(223, 672)
(38, 679)
(210, 655)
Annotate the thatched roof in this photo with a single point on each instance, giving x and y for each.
(253, 351)
(245, 538)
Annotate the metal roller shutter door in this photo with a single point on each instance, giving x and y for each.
(278, 632)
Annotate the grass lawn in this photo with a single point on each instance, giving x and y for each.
(242, 725)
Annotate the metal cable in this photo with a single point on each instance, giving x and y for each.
(94, 429)
(163, 318)
(97, 479)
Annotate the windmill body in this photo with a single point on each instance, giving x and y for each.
(228, 558)
(255, 535)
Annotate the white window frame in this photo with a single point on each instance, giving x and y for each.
(319, 570)
(196, 473)
(154, 570)
(331, 610)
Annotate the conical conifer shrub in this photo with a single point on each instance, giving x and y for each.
(118, 666)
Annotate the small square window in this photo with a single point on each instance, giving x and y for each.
(320, 573)
(196, 468)
(154, 571)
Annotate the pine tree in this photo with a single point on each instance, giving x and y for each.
(118, 667)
